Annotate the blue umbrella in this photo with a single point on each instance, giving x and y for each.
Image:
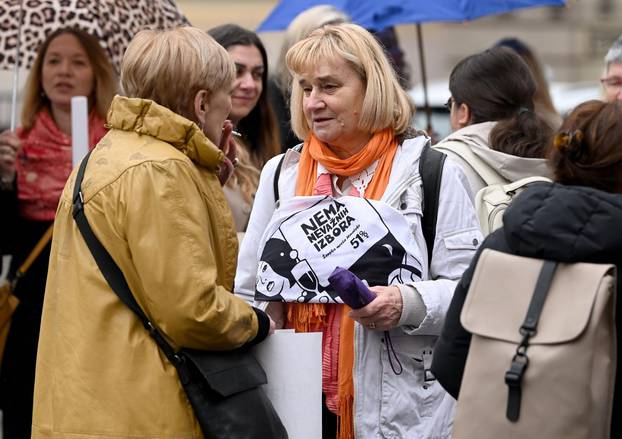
(286, 10)
(379, 14)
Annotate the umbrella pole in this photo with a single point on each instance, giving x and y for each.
(16, 68)
(424, 80)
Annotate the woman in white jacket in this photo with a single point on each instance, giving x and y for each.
(498, 136)
(352, 196)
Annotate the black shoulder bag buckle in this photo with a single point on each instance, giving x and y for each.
(223, 388)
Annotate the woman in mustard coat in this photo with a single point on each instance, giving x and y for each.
(153, 197)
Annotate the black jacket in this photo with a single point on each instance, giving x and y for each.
(547, 221)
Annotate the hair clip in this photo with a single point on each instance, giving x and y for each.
(561, 140)
(570, 142)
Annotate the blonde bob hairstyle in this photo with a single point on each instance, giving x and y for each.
(385, 104)
(171, 67)
(300, 27)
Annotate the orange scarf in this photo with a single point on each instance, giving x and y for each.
(311, 317)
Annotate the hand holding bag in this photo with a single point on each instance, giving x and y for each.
(223, 387)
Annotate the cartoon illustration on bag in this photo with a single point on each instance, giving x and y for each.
(313, 235)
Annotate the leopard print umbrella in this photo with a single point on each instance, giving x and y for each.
(114, 22)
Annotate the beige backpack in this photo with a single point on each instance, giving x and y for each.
(491, 201)
(542, 359)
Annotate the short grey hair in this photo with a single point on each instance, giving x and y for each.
(614, 55)
(300, 27)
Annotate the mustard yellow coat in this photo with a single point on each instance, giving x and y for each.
(153, 198)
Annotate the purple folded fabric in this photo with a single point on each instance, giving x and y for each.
(350, 288)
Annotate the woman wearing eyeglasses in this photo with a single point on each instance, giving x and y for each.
(498, 137)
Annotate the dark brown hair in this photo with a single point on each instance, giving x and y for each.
(497, 85)
(542, 94)
(587, 150)
(260, 127)
(104, 88)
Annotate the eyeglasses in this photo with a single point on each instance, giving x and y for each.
(612, 82)
(449, 103)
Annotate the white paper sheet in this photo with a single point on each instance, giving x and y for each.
(293, 364)
(79, 129)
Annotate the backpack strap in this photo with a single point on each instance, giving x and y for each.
(275, 182)
(520, 361)
(481, 168)
(277, 173)
(511, 187)
(431, 170)
(492, 201)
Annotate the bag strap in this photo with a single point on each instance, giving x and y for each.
(277, 173)
(34, 254)
(511, 187)
(431, 165)
(481, 168)
(110, 270)
(275, 182)
(520, 361)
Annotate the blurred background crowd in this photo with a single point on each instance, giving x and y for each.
(570, 42)
(470, 87)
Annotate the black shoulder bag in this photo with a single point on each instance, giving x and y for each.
(223, 387)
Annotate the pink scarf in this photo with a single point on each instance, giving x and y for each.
(44, 164)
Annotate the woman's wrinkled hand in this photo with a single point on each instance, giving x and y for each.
(382, 313)
(228, 146)
(9, 145)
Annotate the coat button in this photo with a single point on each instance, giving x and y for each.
(403, 206)
(475, 241)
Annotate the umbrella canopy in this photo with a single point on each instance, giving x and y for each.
(24, 25)
(380, 14)
(114, 22)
